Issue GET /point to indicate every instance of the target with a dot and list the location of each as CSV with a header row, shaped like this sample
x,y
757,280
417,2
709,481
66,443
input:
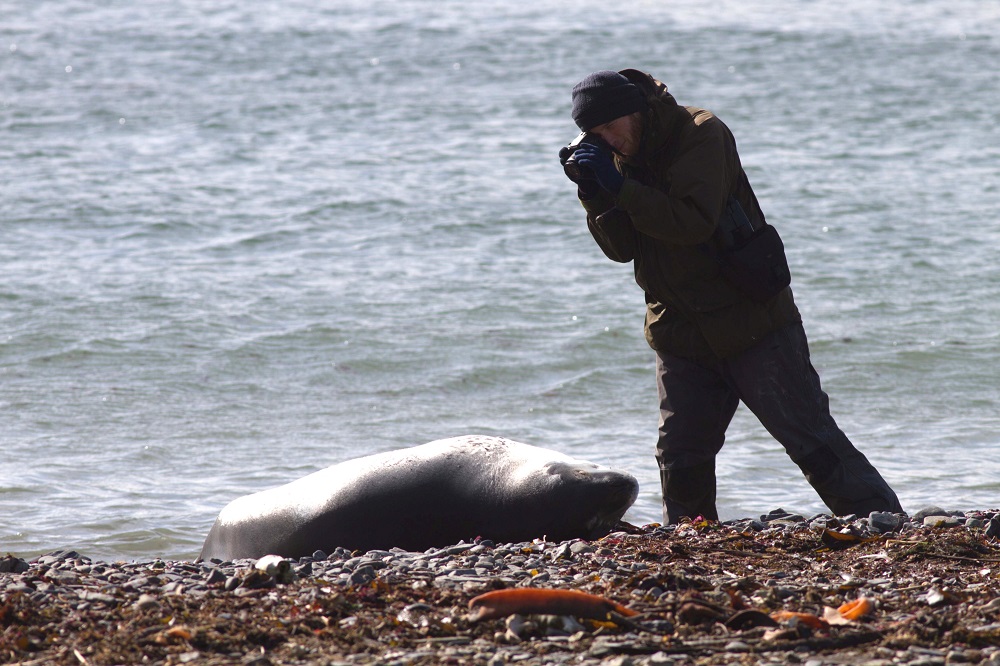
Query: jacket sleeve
x,y
688,213
613,231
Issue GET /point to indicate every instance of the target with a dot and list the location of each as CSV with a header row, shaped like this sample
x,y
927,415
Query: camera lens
x,y
573,170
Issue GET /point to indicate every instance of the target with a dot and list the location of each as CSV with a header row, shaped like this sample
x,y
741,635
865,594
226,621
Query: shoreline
x,y
703,593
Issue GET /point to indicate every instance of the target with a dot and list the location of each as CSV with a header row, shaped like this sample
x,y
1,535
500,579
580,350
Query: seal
x,y
435,494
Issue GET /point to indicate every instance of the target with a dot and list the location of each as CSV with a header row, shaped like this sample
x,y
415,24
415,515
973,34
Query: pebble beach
x,y
925,590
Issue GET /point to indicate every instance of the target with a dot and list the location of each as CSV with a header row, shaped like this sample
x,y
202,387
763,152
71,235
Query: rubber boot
x,y
848,487
689,492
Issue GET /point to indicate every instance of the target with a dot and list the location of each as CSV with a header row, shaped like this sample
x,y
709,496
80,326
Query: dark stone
x,y
11,564
215,577
881,522
362,575
919,516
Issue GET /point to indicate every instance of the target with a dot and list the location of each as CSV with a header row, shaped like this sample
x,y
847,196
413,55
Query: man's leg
x,y
777,382
696,407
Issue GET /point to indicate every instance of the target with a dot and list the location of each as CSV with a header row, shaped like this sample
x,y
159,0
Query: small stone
x,y
19,587
737,646
277,567
257,659
883,521
774,514
919,516
618,661
257,579
661,659
959,656
136,583
146,602
232,583
88,595
974,523
993,528
215,577
362,576
942,521
11,564
516,626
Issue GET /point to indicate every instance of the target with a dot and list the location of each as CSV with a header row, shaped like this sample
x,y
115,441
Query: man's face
x,y
622,134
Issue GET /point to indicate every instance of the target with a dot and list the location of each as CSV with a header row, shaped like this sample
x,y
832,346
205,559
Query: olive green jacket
x,y
674,194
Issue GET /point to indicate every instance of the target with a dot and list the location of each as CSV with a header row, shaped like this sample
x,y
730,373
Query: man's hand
x,y
587,187
601,165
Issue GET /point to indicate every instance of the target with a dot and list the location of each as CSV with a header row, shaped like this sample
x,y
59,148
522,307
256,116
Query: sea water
x,y
243,241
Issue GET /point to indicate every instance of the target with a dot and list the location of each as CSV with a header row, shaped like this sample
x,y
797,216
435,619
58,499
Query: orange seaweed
x,y
852,610
528,601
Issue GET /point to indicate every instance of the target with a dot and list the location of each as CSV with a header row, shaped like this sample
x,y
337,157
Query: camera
x,y
575,171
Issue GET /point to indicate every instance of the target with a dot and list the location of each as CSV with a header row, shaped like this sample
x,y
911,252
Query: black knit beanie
x,y
604,96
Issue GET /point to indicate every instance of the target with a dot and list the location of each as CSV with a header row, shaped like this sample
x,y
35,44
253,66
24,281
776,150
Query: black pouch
x,y
753,260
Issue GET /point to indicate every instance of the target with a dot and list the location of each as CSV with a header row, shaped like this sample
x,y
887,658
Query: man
x,y
657,201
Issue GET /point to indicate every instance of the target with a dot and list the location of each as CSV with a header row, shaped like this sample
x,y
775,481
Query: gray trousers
x,y
777,382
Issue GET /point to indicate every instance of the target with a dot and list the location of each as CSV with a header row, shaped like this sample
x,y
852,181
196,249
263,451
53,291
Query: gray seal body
x,y
435,494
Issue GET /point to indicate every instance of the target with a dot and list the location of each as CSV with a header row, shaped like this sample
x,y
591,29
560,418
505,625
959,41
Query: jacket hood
x,y
662,118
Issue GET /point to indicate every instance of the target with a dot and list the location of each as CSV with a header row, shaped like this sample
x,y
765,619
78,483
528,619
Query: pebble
x,y
146,602
942,521
882,522
11,564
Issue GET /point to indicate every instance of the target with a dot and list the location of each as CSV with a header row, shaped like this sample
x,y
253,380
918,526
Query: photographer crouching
x,y
663,187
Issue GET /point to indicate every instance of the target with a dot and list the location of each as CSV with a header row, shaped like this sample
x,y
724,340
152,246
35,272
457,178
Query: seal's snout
x,y
620,491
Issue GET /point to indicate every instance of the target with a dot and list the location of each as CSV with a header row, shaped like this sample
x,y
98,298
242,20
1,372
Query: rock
x,y
919,516
362,575
618,661
87,595
993,528
215,577
11,564
146,602
942,521
277,567
774,514
257,579
881,522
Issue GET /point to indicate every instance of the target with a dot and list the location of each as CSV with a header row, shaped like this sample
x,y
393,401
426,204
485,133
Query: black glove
x,y
602,166
587,186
